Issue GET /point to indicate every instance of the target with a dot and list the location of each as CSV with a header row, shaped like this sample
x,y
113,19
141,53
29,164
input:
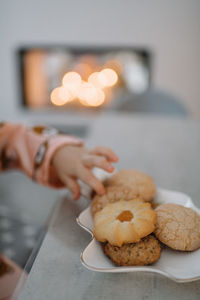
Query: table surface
x,y
168,150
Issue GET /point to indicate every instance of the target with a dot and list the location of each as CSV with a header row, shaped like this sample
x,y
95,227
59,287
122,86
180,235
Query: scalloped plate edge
x,y
148,269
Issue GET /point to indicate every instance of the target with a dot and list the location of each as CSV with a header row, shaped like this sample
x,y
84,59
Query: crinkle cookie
x,y
145,252
178,227
141,184
124,222
125,185
113,194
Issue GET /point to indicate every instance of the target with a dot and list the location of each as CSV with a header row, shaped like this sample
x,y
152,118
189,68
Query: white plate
x,y
177,265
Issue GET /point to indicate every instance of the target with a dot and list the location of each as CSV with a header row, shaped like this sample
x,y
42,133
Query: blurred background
x,y
64,63
153,46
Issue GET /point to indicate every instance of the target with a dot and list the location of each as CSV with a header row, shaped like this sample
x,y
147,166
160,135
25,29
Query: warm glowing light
x,y
94,79
107,77
61,96
89,95
72,81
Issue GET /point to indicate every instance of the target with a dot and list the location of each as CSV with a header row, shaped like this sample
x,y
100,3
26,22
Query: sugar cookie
x,y
178,227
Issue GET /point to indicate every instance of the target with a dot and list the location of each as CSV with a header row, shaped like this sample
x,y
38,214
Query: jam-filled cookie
x,y
124,222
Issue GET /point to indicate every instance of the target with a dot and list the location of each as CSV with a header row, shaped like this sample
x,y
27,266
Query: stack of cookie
x,y
124,219
129,227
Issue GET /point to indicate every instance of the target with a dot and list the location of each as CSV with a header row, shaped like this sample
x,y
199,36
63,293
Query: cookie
x,y
145,252
124,222
142,185
125,185
112,194
178,227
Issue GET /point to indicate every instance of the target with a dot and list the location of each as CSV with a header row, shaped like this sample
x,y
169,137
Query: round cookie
x,y
112,194
178,227
142,185
145,252
124,222
125,185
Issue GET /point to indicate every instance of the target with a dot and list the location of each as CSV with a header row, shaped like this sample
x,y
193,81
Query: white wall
x,y
171,29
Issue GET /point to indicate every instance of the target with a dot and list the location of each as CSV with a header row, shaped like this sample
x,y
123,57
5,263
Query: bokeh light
x,y
72,81
89,95
61,96
107,77
94,79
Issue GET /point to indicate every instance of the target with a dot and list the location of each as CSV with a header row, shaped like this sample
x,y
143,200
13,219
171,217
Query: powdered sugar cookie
x,y
178,227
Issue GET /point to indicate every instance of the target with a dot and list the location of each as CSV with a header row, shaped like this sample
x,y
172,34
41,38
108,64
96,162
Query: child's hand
x,y
74,162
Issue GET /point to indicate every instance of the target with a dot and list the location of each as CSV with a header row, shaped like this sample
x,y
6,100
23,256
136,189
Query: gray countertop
x,y
168,150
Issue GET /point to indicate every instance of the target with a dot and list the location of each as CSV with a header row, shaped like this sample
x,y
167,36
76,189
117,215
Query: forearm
x,y
31,150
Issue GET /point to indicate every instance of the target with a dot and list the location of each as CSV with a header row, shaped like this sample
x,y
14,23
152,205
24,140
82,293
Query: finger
x,y
72,185
91,161
87,177
107,152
